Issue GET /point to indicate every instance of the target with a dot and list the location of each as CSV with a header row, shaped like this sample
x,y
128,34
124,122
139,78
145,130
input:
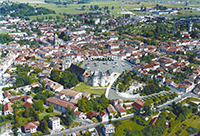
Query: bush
x,y
191,130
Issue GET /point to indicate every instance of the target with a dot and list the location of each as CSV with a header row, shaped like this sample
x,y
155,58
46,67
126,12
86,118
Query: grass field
x,y
127,124
192,120
41,115
23,120
89,89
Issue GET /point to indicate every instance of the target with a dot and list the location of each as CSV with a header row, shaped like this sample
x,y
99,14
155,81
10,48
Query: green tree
x,y
38,105
50,108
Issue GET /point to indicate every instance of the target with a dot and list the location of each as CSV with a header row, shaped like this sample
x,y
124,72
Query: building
x,y
31,127
60,105
153,121
120,109
53,86
99,78
186,86
138,104
81,115
54,122
77,70
104,116
190,27
7,109
108,129
111,110
71,94
91,114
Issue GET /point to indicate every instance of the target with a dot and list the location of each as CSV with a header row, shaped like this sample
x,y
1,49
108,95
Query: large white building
x,y
54,123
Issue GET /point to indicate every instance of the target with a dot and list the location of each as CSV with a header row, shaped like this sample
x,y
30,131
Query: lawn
x,y
89,89
41,115
194,121
23,120
127,124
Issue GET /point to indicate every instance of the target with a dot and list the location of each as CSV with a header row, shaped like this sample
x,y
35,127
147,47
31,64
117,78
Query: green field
x,y
126,124
89,89
23,120
192,120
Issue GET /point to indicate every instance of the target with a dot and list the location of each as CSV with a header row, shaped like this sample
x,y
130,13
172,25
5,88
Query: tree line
x,y
22,9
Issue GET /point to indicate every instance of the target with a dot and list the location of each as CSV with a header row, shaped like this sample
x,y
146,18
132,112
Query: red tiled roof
x,y
27,104
92,114
61,103
6,94
153,121
7,107
30,125
19,98
102,113
136,105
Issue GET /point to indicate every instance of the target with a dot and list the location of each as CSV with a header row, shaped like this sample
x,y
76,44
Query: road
x,y
78,129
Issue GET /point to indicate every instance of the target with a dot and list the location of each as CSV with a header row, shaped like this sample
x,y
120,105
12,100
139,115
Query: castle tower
x,y
55,39
190,26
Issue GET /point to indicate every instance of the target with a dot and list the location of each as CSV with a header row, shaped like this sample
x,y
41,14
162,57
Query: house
x,y
104,116
27,104
153,121
160,78
59,95
54,122
91,114
7,108
60,105
138,104
80,114
71,94
197,89
18,98
111,110
186,86
117,101
120,109
53,86
108,129
6,94
87,95
31,127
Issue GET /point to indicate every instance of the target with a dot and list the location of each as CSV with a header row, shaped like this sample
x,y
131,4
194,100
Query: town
x,y
99,74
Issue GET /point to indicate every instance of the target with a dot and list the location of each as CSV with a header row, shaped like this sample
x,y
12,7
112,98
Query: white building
x,y
108,129
54,123
31,127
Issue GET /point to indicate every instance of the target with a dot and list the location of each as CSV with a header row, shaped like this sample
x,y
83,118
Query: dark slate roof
x,y
76,69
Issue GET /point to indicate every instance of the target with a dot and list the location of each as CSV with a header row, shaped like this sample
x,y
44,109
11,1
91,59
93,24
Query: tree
x,y
117,123
55,75
50,108
147,109
43,127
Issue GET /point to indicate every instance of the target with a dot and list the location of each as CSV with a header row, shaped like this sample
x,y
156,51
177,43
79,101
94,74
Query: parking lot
x,y
117,65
